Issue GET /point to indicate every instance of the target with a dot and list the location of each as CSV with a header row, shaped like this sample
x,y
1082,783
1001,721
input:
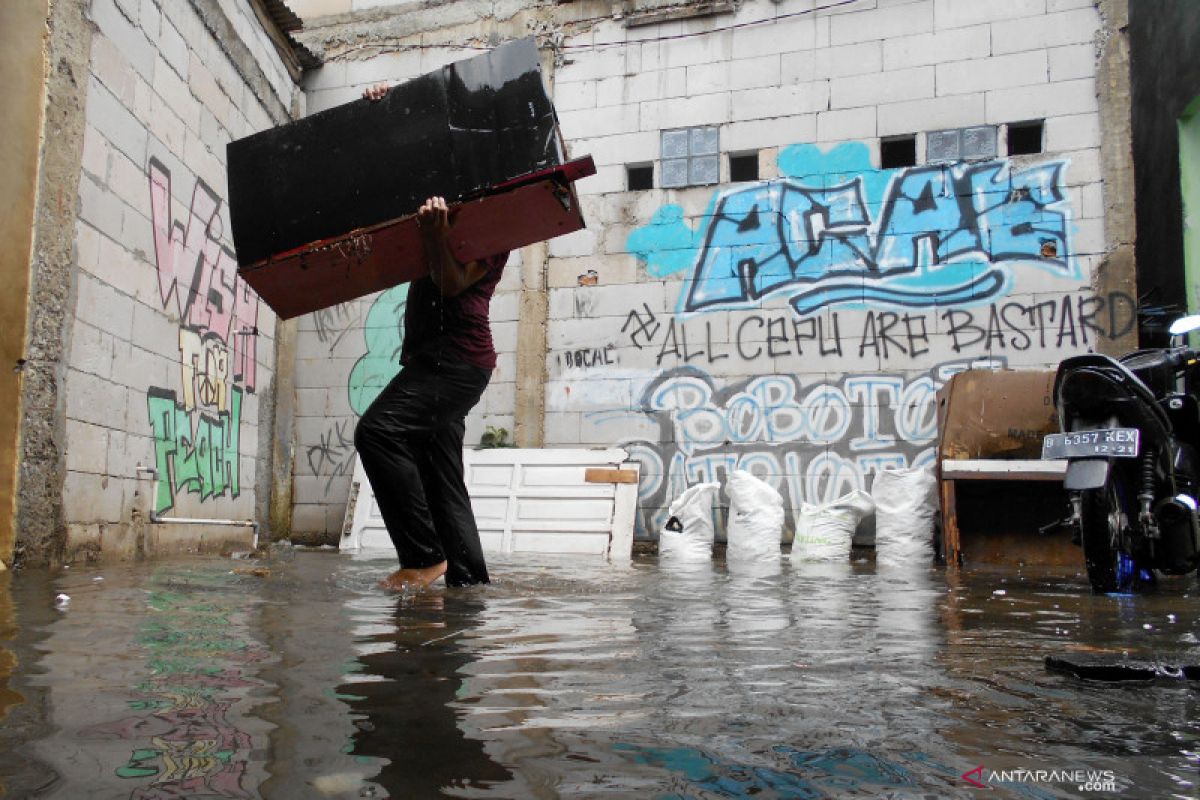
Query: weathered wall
x,y
798,325
167,358
1164,40
23,36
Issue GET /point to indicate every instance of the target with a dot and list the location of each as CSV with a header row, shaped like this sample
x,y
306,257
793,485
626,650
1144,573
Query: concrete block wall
x,y
799,325
170,359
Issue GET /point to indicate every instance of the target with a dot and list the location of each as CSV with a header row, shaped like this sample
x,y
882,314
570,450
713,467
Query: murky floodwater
x,y
183,679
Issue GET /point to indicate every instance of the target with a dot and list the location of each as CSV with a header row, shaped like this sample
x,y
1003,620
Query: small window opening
x,y
743,167
639,177
898,151
1025,138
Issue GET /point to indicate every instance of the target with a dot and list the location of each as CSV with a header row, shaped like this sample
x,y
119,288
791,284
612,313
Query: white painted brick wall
x,y
847,125
708,109
780,101
769,132
778,37
1018,69
1072,132
1035,102
941,47
887,21
1071,61
956,13
1068,27
872,90
651,85
933,114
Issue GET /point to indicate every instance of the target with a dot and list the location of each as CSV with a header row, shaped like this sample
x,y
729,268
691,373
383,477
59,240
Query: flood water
x,y
584,680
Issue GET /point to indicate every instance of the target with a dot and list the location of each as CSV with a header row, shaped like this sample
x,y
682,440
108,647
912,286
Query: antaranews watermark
x,y
1084,780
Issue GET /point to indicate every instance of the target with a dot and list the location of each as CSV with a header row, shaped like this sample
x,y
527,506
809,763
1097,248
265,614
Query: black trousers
x,y
410,440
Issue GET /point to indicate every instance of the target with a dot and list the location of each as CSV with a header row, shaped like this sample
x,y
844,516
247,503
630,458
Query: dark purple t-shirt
x,y
456,327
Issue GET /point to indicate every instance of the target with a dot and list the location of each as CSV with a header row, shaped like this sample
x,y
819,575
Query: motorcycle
x,y
1130,433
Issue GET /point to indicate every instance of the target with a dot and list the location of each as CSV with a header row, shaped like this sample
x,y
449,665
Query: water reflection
x,y
584,679
403,697
8,659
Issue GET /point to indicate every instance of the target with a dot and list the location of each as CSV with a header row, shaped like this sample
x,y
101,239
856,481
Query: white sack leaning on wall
x,y
688,535
825,532
755,519
905,507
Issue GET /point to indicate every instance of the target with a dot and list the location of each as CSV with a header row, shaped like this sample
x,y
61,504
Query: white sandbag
x,y
688,535
755,519
905,506
824,532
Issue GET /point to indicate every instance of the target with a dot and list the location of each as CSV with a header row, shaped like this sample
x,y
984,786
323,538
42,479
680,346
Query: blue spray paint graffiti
x,y
837,232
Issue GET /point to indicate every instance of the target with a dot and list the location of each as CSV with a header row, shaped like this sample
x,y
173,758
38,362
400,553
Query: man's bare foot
x,y
412,580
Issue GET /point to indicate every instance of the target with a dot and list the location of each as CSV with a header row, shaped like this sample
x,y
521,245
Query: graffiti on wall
x,y
836,232
196,428
894,281
812,441
332,456
1070,320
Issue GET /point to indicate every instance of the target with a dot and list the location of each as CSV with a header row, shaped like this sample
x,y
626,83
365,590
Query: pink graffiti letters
x,y
196,431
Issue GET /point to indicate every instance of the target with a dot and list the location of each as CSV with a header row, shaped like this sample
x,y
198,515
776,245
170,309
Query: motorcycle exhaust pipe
x,y
1178,547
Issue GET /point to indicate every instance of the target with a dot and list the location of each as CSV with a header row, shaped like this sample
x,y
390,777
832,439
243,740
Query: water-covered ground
x,y
584,680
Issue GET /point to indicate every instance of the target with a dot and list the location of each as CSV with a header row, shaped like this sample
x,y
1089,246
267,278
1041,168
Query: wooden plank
x,y
951,546
601,475
1003,470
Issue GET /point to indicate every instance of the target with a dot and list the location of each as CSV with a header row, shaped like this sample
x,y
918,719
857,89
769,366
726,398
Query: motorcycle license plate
x,y
1109,442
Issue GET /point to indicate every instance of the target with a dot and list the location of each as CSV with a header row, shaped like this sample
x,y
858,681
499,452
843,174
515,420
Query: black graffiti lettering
x,y
963,323
595,357
646,328
333,455
671,340
1020,340
837,337
1089,309
773,336
887,321
687,354
995,331
1042,323
877,335
1066,323
827,345
708,340
868,335
1070,321
741,340
914,336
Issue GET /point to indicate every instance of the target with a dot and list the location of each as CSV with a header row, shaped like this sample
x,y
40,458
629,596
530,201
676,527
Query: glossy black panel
x,y
454,132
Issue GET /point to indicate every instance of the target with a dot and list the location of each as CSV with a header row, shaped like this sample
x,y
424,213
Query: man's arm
x,y
449,276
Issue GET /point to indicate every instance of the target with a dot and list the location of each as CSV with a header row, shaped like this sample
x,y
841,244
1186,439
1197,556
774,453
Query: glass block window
x,y
691,157
961,144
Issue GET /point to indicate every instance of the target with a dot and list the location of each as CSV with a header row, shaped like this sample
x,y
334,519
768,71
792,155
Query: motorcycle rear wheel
x,y
1103,525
